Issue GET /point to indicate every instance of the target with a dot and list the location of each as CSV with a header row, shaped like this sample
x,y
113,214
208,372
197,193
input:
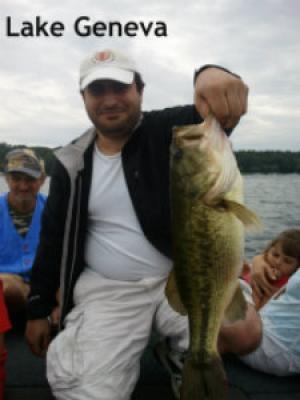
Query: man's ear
x,y
141,93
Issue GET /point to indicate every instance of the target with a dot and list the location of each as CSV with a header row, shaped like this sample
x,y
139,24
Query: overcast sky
x,y
258,39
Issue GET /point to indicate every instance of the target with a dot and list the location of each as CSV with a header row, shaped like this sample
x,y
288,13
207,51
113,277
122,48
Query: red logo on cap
x,y
104,56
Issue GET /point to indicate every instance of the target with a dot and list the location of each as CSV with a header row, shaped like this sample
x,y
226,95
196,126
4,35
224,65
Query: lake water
x,y
275,198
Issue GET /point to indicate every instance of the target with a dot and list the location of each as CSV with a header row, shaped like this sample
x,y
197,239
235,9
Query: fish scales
x,y
197,248
208,243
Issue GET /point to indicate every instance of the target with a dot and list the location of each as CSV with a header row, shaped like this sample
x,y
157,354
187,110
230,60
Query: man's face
x,y
113,107
22,190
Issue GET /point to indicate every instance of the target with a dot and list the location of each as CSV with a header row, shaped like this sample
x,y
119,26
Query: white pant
x,y
97,355
272,357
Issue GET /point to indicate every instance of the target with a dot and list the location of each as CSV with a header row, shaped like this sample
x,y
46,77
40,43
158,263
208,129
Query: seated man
x,y
20,214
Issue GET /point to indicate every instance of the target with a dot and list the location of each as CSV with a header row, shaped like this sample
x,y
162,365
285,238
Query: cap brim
x,y
27,171
114,74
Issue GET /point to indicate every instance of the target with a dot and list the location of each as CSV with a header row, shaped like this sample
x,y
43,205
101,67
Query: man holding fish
x,y
106,238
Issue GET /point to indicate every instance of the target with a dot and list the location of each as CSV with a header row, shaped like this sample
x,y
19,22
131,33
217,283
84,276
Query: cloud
x,y
257,39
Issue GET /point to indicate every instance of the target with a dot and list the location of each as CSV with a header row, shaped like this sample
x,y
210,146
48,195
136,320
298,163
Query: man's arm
x,y
222,93
15,291
38,336
262,276
45,274
243,336
46,267
39,332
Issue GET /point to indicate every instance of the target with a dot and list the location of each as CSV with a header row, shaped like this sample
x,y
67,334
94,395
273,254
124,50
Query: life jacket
x,y
16,252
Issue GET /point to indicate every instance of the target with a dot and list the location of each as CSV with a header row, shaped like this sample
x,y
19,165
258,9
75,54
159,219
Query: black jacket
x,y
145,157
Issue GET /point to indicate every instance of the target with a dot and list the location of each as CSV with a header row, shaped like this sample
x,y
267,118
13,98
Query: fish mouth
x,y
187,137
190,140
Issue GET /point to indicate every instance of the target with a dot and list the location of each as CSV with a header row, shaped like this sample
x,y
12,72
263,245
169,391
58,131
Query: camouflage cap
x,y
25,161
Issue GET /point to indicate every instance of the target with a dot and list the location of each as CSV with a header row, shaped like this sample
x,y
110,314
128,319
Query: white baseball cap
x,y
106,64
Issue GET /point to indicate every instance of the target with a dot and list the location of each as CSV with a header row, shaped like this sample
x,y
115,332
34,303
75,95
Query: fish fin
x,y
203,381
250,220
237,308
173,296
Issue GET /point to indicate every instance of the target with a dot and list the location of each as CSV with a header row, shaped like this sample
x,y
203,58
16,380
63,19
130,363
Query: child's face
x,y
281,263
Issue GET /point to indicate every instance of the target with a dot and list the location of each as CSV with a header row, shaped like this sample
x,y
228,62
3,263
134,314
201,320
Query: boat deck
x,y
26,378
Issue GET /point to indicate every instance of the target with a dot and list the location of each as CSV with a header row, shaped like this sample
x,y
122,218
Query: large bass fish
x,y
208,219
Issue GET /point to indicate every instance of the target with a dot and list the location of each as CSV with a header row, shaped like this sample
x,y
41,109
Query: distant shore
x,y
249,161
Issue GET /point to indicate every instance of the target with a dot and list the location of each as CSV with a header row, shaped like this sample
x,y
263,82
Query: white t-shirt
x,y
116,247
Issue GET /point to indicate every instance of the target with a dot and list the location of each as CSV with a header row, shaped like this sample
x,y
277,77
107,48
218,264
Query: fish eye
x,y
178,154
194,193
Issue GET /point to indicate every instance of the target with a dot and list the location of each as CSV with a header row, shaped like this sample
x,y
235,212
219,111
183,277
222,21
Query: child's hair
x,y
290,243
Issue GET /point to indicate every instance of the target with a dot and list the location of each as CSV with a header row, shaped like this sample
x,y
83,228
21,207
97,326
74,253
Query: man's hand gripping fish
x,y
208,220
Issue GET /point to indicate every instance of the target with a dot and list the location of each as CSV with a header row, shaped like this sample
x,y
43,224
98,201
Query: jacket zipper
x,y
75,240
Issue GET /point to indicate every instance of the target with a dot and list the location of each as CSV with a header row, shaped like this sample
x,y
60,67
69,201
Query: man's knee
x,y
243,336
15,291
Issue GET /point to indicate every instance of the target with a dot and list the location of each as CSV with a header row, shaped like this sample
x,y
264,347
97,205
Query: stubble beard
x,y
118,130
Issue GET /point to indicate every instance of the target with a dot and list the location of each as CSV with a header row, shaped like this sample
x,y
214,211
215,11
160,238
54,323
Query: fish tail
x,y
203,380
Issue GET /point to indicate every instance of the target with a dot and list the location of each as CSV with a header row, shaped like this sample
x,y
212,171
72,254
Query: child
x,y
279,350
282,259
4,326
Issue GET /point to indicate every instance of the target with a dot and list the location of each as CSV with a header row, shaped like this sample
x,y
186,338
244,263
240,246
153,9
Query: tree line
x,y
249,161
268,162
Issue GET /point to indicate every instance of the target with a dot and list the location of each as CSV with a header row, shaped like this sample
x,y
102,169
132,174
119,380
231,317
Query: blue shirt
x,y
16,252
